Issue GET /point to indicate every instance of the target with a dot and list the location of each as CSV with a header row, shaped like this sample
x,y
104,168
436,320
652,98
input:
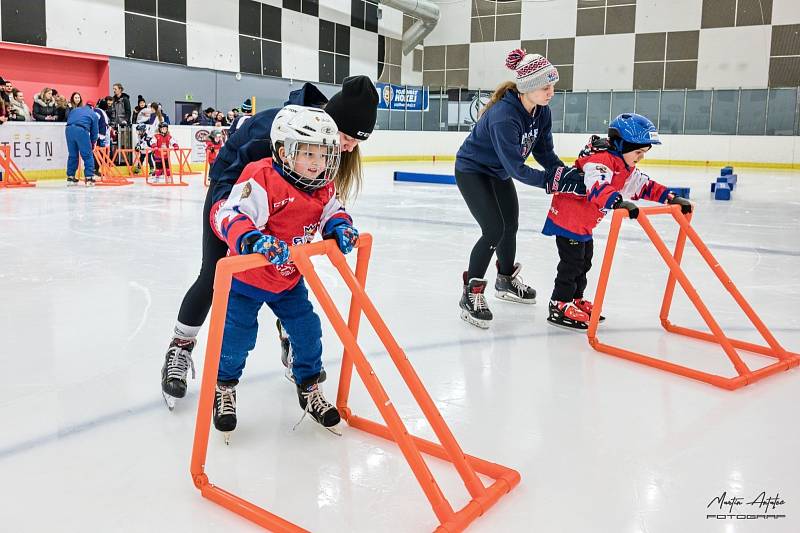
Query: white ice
x,y
91,281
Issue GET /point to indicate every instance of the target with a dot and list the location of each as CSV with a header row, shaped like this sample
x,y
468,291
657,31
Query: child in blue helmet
x,y
611,178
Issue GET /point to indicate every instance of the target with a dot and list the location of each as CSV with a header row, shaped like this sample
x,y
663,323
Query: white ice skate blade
x,y
226,436
169,400
508,297
466,317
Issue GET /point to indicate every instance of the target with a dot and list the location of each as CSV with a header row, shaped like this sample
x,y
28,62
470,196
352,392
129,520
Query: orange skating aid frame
x,y
412,447
785,359
12,174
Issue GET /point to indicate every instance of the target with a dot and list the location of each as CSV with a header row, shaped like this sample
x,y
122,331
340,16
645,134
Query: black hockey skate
x,y
512,289
314,403
71,181
225,408
90,181
287,354
176,365
473,303
568,315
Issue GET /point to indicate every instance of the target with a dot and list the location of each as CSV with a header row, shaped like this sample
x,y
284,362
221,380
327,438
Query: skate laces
x,y
314,401
226,400
517,283
180,360
477,299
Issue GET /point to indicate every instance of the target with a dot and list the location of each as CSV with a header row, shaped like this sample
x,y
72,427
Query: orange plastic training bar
x,y
13,177
164,165
785,359
106,172
412,447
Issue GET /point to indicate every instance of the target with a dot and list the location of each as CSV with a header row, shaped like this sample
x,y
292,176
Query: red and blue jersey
x,y
262,200
607,178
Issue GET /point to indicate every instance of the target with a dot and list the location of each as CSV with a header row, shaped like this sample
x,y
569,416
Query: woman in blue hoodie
x,y
514,124
354,109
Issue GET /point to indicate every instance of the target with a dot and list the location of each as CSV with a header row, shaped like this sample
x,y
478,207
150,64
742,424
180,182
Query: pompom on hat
x,y
533,70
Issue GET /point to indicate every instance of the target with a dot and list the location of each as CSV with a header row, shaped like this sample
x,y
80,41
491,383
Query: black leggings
x,y
494,204
575,262
197,301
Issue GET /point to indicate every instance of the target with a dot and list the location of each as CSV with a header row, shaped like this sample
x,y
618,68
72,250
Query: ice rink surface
x,y
91,281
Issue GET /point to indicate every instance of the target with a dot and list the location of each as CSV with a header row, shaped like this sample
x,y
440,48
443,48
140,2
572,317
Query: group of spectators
x,y
113,111
216,118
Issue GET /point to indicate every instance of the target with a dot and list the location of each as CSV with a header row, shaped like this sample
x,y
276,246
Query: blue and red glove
x,y
343,232
275,250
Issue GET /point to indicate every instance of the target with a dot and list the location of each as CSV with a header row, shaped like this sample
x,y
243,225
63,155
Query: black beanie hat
x,y
355,107
630,147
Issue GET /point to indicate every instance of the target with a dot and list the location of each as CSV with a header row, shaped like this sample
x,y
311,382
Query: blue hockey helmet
x,y
634,129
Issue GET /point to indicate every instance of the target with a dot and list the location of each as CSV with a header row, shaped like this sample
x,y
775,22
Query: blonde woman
x,y
514,124
354,109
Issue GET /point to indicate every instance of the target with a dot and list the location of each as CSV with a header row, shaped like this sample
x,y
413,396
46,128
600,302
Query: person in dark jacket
x,y
44,106
514,124
207,119
354,109
81,133
120,107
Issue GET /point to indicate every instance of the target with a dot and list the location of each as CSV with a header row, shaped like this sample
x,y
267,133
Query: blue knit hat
x,y
247,106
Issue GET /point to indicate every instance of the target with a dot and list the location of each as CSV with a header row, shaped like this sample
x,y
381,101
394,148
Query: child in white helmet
x,y
277,202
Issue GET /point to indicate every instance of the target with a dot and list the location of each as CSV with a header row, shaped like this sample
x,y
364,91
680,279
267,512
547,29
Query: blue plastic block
x,y
726,171
723,192
683,192
732,180
425,178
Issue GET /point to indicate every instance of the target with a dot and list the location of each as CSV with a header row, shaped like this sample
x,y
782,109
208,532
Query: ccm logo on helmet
x,y
362,134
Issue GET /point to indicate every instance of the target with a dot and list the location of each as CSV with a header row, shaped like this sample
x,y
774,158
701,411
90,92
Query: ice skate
x,y
473,303
567,315
177,362
90,181
586,306
287,356
225,408
71,181
314,403
512,289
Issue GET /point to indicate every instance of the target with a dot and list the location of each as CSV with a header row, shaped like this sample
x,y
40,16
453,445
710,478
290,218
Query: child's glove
x,y
565,180
686,205
345,234
633,211
175,146
275,250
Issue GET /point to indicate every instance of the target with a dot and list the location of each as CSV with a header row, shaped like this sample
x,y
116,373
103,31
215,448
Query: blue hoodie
x,y
503,138
85,118
251,141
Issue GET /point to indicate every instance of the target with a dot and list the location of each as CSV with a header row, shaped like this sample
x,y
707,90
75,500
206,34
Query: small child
x,y
611,176
142,149
213,146
161,143
280,201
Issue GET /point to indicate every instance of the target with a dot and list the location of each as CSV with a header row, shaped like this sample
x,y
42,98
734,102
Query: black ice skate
x,y
176,365
314,403
287,355
225,408
512,289
71,181
90,181
568,315
473,303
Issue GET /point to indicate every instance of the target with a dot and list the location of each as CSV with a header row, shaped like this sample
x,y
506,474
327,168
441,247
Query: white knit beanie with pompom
x,y
533,71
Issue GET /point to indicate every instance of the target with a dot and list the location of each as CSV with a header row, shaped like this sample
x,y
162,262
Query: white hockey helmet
x,y
295,125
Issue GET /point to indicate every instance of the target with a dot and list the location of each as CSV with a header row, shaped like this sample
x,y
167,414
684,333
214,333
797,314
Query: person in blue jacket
x,y
81,132
354,109
514,124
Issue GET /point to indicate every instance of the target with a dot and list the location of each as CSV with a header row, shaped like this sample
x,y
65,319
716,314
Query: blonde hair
x,y
349,177
44,92
498,95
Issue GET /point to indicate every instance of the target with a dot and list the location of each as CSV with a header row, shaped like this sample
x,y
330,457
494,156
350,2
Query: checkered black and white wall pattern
x,y
596,44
